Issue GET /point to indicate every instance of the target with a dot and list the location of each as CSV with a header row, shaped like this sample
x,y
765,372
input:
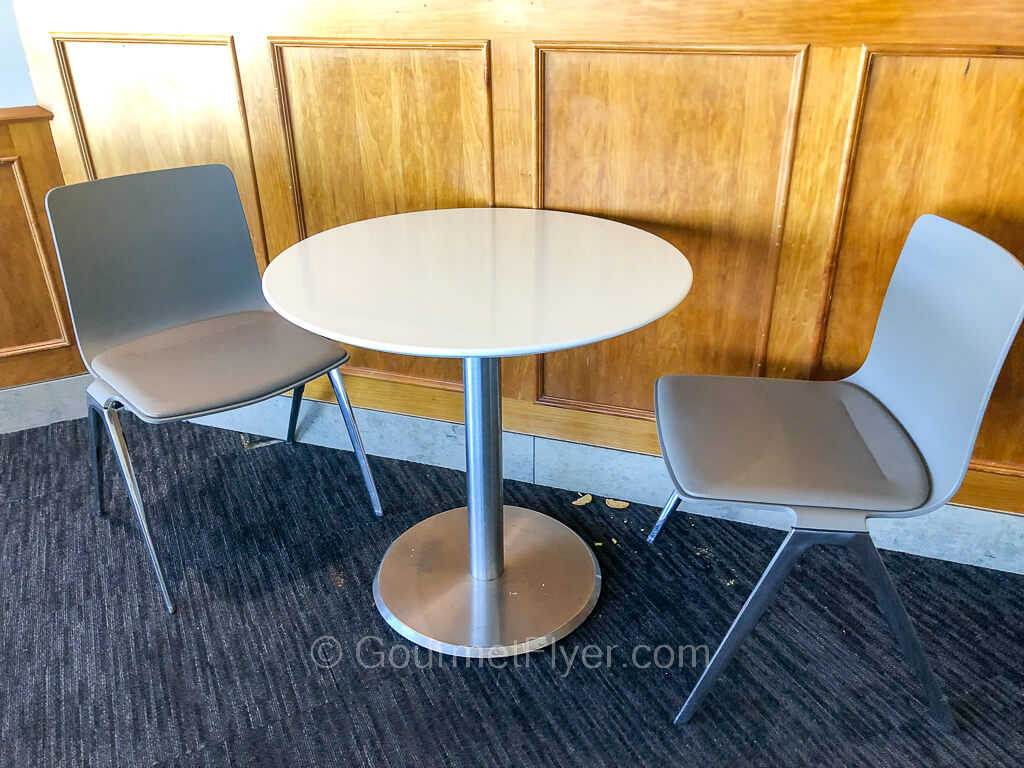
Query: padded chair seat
x,y
212,364
792,443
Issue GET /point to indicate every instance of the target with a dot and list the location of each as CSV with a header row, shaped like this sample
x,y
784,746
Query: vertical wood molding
x,y
64,339
829,89
839,209
72,100
782,200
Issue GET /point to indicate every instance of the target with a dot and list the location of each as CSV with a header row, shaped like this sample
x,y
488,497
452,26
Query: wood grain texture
x,y
177,98
937,132
831,90
991,490
870,147
637,435
382,127
823,22
36,340
694,145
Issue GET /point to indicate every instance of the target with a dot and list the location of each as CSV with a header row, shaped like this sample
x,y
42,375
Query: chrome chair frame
x,y
106,417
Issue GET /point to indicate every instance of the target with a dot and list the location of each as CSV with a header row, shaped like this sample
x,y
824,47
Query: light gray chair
x,y
169,313
892,440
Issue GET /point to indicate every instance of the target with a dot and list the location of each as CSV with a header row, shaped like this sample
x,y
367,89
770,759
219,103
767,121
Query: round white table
x,y
485,580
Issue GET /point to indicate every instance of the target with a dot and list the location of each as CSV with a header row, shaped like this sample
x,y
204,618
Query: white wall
x,y
15,85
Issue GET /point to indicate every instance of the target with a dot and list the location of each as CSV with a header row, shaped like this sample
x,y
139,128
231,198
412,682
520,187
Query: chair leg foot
x,y
668,509
293,417
878,578
767,587
113,424
95,413
357,441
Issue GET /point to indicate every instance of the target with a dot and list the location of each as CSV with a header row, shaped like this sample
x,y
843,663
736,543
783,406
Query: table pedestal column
x,y
486,580
481,381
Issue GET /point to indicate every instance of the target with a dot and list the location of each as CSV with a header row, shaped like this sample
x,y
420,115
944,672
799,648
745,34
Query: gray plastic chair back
x,y
950,314
149,251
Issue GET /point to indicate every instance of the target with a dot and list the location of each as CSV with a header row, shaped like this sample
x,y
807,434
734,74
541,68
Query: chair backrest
x,y
950,314
149,251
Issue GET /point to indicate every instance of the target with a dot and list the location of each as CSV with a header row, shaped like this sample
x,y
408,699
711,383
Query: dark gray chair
x,y
169,313
892,440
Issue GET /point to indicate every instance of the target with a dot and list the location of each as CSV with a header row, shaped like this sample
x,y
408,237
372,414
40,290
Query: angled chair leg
x,y
113,423
357,442
796,542
293,417
95,411
668,509
877,576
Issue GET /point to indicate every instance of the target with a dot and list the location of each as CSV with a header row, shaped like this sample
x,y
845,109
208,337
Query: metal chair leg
x,y
877,576
293,417
767,587
113,423
357,442
668,509
95,411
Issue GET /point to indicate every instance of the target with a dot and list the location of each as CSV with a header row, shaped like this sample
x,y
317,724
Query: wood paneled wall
x,y
138,103
785,147
36,340
371,130
696,145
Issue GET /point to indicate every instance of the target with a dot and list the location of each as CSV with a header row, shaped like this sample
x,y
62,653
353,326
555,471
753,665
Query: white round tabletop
x,y
477,282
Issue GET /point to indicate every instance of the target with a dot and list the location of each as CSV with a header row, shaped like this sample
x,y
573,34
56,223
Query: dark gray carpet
x,y
269,549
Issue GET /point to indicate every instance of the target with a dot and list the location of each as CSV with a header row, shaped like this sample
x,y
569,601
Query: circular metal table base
x,y
425,591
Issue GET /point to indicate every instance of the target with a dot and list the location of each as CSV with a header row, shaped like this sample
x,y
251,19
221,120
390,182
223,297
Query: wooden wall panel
x,y
36,339
381,127
694,145
30,314
937,132
143,103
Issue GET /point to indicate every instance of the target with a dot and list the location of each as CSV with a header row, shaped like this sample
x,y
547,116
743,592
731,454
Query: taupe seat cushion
x,y
214,364
801,443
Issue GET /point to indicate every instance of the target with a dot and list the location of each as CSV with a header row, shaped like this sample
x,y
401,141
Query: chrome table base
x,y
486,580
425,591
